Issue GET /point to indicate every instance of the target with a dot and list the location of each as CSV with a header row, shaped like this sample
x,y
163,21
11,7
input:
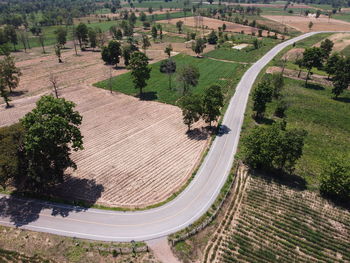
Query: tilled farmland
x,y
275,223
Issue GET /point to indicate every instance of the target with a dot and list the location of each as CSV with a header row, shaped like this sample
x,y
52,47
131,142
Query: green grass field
x,y
211,72
343,16
247,54
326,120
346,51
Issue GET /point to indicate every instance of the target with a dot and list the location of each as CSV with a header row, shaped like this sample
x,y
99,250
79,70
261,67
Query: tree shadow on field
x,y
198,134
22,210
16,93
264,120
291,180
314,86
345,100
148,96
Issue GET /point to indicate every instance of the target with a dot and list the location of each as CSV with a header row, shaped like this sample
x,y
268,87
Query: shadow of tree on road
x,y
23,210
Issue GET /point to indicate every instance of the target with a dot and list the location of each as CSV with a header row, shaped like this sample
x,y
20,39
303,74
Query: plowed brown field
x,y
213,23
137,153
301,23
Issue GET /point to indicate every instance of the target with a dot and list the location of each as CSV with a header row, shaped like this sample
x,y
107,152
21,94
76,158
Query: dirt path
x,y
161,250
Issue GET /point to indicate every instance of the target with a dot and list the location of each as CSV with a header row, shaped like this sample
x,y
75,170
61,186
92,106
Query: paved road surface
x,y
145,225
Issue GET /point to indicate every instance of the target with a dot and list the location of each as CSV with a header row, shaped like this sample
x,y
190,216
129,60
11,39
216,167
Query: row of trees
x,y
337,66
207,106
9,77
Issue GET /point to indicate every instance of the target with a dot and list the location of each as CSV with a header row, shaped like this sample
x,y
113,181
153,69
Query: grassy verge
x,y
18,245
211,72
248,54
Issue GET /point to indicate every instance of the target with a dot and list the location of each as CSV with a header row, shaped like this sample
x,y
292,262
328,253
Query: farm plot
x,y
212,23
276,223
301,23
36,68
340,40
136,153
212,72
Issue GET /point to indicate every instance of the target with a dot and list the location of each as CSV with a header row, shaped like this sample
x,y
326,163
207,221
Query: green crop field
x,y
326,120
211,72
248,54
346,51
343,16
279,224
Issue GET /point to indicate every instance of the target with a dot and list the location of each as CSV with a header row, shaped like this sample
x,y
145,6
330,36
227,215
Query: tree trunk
x,y
307,77
75,48
43,49
169,81
299,73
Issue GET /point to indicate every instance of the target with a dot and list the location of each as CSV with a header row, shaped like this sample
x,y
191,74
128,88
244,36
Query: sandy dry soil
x,y
137,153
301,23
293,74
213,23
340,40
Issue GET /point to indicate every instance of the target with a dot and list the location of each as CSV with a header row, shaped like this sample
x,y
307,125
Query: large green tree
x,y
191,106
111,54
213,100
198,46
326,47
312,58
11,153
188,76
332,63
140,71
168,67
61,36
341,76
9,73
262,94
273,147
335,180
51,132
82,34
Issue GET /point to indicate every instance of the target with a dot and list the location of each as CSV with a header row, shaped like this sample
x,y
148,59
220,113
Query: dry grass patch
x,y
301,23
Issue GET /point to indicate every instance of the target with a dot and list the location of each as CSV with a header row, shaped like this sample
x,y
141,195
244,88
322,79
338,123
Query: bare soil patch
x,y
314,78
212,23
340,40
301,23
294,54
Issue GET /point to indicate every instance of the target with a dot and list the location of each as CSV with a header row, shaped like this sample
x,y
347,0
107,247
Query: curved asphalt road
x,y
145,225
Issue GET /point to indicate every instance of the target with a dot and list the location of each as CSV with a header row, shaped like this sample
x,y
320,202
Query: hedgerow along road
x,y
185,209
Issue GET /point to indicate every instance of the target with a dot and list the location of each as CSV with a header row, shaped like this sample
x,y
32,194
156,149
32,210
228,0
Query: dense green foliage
x,y
273,147
11,153
51,131
140,72
335,181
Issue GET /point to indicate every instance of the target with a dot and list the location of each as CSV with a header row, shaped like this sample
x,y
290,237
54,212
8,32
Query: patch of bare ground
x,y
293,54
64,249
294,74
213,23
340,40
301,23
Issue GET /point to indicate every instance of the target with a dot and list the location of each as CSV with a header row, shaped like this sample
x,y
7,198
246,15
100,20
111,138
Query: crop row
x,y
277,224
